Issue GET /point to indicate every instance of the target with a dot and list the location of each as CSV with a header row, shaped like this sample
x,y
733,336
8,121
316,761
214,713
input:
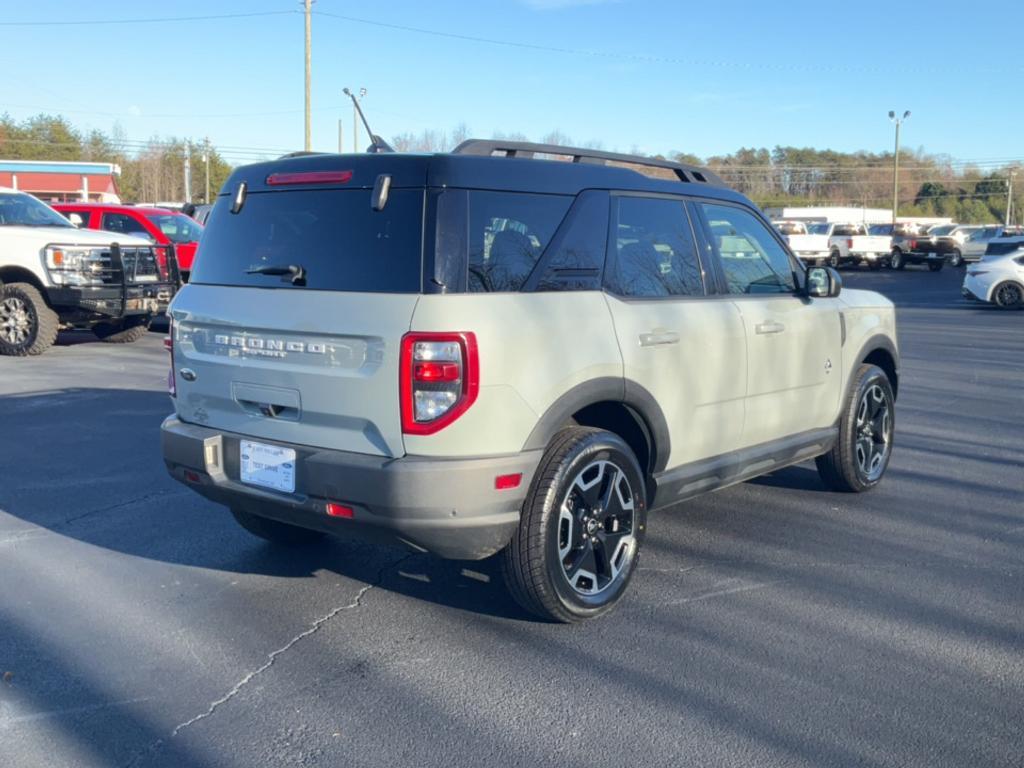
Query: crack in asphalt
x,y
356,602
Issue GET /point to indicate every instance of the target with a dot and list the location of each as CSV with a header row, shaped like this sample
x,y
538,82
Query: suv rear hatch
x,y
310,358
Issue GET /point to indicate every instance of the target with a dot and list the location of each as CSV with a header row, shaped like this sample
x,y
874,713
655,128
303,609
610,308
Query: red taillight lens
x,y
507,482
172,388
334,509
439,379
309,177
849,243
913,245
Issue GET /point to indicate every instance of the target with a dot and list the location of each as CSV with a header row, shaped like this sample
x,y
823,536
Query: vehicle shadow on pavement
x,y
112,491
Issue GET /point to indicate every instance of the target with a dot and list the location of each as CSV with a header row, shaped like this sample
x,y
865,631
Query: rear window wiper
x,y
296,271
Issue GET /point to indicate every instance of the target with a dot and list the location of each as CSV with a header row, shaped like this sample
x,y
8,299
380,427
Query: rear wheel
x,y
276,532
582,525
956,259
124,332
861,454
936,266
1008,296
896,259
833,259
27,325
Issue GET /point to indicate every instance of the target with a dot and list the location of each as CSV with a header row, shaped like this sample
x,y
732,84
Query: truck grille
x,y
140,266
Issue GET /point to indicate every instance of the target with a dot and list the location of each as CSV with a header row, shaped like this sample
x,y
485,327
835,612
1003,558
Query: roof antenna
x,y
377,143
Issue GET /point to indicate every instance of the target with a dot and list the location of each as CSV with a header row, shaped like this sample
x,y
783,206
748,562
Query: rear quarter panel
x,y
533,348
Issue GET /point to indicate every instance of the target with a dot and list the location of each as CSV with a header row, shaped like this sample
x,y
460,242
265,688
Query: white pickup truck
x,y
809,242
852,244
54,275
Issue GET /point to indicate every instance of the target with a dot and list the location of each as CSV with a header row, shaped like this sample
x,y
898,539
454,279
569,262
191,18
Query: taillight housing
x,y
439,379
849,242
172,387
913,245
161,261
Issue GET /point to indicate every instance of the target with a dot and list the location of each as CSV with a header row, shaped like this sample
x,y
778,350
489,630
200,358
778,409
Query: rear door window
x,y
124,224
340,242
655,254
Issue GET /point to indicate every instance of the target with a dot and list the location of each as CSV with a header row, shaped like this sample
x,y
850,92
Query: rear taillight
x,y
913,245
849,242
439,379
161,262
172,388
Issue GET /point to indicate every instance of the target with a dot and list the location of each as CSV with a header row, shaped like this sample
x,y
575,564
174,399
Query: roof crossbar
x,y
526,149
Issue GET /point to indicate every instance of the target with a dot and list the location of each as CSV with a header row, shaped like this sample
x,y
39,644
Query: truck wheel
x,y
27,325
861,454
121,333
275,531
956,259
936,266
833,259
581,529
896,259
1008,296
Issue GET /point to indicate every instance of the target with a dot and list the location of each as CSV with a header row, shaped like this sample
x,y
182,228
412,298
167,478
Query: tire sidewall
x,y
14,292
1020,296
873,375
601,446
896,259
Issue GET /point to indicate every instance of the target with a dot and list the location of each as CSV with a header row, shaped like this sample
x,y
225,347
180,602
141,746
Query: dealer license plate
x,y
269,466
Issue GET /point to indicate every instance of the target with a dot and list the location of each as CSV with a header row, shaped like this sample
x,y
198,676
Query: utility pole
x,y
341,137
308,7
896,165
188,173
206,162
1009,198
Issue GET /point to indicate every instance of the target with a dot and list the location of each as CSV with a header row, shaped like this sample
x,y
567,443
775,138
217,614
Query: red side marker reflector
x,y
507,482
334,509
191,476
309,177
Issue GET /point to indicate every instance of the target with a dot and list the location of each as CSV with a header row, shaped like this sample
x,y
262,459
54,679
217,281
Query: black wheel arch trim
x,y
608,389
874,344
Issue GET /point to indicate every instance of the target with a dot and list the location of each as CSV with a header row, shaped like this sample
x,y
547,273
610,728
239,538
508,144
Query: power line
x,y
154,20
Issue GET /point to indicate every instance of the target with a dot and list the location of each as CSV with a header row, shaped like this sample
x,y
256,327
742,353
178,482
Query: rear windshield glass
x,y
340,243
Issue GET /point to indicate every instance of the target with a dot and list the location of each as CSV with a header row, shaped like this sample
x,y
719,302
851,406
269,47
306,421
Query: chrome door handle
x,y
769,327
656,338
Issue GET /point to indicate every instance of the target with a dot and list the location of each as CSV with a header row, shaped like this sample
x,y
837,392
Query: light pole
x,y
896,165
355,117
206,163
308,9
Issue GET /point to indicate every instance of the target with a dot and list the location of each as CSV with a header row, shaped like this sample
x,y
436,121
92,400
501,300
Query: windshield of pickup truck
x,y
178,227
21,210
817,229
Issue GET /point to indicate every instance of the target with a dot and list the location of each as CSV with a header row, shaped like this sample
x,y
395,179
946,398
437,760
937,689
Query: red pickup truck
x,y
160,225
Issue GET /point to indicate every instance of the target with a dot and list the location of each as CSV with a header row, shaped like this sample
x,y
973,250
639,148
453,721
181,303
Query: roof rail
x,y
526,149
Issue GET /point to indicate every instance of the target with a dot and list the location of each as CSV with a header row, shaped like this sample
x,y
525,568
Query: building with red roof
x,y
60,182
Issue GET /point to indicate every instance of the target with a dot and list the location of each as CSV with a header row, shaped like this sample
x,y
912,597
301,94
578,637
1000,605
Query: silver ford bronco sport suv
x,y
486,351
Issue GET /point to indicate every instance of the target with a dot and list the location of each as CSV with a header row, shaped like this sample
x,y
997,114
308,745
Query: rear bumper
x,y
448,507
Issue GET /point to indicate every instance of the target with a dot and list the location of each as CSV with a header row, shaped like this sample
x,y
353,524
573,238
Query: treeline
x,y
150,171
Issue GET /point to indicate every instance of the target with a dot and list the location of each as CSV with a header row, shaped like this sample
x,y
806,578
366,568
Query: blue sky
x,y
653,75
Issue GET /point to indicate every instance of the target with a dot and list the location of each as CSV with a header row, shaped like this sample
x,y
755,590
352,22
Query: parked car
x,y
54,276
913,245
853,244
160,225
977,242
959,234
812,246
451,352
998,278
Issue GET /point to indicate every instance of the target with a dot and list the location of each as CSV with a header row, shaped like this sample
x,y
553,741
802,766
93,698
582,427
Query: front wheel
x,y
861,454
27,324
936,266
956,259
833,259
582,525
1008,296
896,259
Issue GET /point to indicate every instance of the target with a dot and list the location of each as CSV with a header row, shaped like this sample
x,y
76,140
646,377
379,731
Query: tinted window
x,y
818,229
654,248
78,218
334,235
848,230
177,227
123,224
753,260
578,249
507,234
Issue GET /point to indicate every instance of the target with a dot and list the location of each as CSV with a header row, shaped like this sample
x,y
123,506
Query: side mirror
x,y
823,282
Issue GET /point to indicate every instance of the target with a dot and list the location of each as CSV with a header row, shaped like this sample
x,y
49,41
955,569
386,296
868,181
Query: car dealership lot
x,y
770,624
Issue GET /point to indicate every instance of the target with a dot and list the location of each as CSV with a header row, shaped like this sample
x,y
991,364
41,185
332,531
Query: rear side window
x,y
498,236
334,235
654,249
123,224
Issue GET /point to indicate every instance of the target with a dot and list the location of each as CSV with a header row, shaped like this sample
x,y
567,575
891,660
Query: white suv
x,y
484,352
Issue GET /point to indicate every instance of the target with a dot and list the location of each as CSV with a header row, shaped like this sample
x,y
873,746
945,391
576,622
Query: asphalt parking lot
x,y
771,624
